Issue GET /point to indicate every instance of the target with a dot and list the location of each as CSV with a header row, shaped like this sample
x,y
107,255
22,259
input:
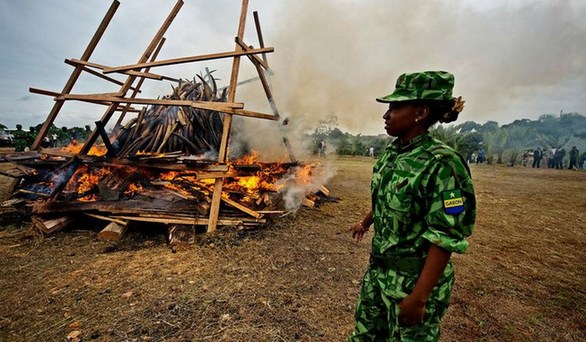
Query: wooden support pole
x,y
189,59
217,195
261,41
269,73
75,74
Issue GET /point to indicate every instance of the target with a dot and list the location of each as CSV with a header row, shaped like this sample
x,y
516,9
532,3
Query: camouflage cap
x,y
425,85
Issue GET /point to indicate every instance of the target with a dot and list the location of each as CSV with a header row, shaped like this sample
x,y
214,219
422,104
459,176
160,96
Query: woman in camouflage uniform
x,y
423,208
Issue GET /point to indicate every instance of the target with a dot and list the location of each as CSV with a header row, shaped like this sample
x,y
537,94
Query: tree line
x,y
500,143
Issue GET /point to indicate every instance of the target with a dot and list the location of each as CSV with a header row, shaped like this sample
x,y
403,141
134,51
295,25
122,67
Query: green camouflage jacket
x,y
421,193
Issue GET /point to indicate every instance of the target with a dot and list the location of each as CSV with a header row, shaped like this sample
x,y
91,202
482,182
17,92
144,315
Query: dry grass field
x,y
523,278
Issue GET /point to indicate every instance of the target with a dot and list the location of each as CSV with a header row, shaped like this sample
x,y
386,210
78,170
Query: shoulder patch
x,y
453,202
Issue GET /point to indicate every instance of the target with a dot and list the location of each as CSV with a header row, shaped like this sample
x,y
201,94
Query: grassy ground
x,y
523,278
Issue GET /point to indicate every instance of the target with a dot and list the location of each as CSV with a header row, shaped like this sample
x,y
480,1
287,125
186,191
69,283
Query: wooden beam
x,y
75,74
261,41
106,218
97,74
59,97
192,221
241,207
188,59
43,92
48,226
208,105
227,124
114,231
129,73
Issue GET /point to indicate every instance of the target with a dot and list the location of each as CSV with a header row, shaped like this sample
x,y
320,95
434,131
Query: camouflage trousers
x,y
377,309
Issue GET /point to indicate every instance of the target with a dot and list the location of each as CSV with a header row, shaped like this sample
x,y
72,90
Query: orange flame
x,y
97,150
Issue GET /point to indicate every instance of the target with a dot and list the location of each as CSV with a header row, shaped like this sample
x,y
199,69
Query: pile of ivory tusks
x,y
162,129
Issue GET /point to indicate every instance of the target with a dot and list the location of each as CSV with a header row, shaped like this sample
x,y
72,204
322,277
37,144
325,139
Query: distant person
x,y
53,140
582,162
537,155
20,139
407,286
574,153
471,157
513,159
559,158
322,149
371,152
480,158
551,163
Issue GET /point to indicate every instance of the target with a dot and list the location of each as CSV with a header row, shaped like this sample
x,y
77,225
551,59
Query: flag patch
x,y
453,202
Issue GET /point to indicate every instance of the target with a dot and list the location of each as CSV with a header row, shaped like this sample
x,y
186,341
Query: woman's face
x,y
400,119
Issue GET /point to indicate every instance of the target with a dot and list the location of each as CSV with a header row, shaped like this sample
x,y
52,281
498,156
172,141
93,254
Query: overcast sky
x,y
511,59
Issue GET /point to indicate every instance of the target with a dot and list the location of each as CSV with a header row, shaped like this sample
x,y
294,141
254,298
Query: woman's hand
x,y
411,311
358,230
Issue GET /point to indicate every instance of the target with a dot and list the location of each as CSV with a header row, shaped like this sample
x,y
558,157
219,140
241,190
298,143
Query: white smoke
x,y
298,186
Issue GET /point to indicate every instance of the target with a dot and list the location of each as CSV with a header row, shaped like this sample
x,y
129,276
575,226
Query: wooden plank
x,y
99,75
58,97
241,207
192,221
215,175
17,156
51,225
189,59
75,74
43,92
106,218
129,206
114,231
18,171
148,75
207,105
261,41
306,202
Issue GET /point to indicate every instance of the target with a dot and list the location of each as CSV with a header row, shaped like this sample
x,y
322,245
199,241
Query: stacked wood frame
x,y
136,74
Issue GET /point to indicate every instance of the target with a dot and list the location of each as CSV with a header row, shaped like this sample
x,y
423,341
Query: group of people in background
x,y
554,158
479,158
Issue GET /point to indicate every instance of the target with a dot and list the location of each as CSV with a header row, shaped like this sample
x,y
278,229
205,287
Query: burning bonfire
x,y
169,164
163,172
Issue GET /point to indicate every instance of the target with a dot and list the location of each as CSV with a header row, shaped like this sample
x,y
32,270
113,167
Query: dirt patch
x,y
523,278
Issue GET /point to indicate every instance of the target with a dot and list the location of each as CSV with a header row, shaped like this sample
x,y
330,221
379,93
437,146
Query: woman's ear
x,y
422,113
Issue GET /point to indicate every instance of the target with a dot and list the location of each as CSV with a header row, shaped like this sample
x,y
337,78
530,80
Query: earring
x,y
416,120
